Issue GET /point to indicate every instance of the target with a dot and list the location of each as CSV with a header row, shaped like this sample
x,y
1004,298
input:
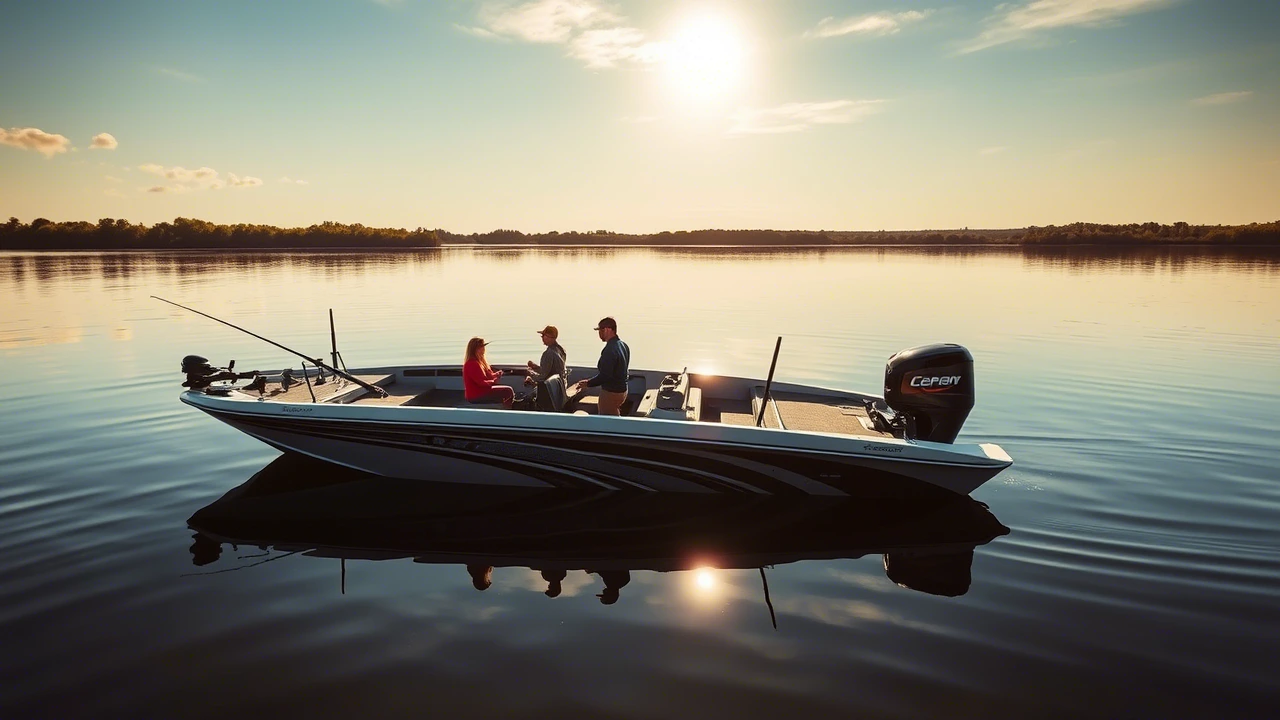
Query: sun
x,y
706,56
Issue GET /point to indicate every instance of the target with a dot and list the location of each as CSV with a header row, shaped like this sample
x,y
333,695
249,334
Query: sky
x,y
585,115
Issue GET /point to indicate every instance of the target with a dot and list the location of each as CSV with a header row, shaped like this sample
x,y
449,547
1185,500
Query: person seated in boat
x,y
614,581
481,381
552,361
612,369
553,578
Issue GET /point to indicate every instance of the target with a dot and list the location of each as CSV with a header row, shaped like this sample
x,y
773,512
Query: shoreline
x,y
392,249
185,234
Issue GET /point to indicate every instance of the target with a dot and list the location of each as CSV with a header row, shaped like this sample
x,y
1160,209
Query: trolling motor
x,y
200,374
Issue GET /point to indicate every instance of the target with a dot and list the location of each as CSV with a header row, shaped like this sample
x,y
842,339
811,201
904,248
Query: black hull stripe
x,y
553,473
553,476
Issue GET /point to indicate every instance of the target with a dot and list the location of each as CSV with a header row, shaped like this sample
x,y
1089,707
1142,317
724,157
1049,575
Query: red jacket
x,y
477,382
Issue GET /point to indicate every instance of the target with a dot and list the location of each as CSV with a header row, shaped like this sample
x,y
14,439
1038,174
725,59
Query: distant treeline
x,y
188,234
1075,234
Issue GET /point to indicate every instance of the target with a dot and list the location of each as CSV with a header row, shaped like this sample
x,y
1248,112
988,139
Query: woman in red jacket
x,y
481,380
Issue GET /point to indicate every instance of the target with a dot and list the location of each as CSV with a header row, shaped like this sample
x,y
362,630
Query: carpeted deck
x,y
299,394
805,412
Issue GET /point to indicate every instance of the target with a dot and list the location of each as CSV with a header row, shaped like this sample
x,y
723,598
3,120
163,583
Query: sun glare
x,y
705,579
706,56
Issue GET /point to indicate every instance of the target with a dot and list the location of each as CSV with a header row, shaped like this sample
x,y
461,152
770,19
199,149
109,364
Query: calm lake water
x,y
1137,393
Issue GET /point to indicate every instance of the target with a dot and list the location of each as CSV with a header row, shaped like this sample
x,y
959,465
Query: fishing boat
x,y
678,432
298,505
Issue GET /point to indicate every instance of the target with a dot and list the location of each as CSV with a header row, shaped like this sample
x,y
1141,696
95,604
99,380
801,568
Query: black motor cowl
x,y
200,374
194,364
934,385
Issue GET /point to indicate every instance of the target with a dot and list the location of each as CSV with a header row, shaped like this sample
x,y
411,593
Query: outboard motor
x,y
933,386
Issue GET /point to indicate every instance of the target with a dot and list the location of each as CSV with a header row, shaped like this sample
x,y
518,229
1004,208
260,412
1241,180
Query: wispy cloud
x,y
290,181
47,144
180,174
874,24
592,32
1018,22
479,32
112,178
797,117
1225,98
104,141
544,21
204,178
608,47
179,75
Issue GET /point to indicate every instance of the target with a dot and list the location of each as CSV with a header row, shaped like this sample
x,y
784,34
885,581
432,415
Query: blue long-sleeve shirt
x,y
613,367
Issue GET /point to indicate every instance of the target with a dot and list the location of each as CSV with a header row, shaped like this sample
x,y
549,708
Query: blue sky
x,y
642,116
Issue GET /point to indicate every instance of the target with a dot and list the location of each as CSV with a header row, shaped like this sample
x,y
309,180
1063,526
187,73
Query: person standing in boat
x,y
611,371
481,381
552,361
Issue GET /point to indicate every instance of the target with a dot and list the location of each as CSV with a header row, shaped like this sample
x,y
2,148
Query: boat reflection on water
x,y
299,505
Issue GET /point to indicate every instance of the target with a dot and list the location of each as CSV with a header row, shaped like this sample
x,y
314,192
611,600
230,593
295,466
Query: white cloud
x,y
544,21
1223,98
797,117
290,181
607,47
203,178
47,144
183,175
479,32
593,33
104,141
875,24
113,179
1017,22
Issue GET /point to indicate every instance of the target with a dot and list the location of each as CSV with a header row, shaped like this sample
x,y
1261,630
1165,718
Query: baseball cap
x,y
550,330
607,323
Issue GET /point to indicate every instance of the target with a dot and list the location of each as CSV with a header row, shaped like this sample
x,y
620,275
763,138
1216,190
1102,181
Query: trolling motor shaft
x,y
200,374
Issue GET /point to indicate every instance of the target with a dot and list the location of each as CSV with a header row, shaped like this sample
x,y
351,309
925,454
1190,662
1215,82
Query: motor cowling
x,y
200,374
934,385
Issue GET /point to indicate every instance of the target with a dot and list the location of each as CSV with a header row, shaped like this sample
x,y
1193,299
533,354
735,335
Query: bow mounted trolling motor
x,y
201,375
929,392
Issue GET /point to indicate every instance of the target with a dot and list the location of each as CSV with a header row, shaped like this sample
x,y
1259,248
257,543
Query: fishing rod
x,y
315,361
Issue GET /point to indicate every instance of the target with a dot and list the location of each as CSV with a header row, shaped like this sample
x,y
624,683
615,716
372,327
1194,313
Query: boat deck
x,y
795,411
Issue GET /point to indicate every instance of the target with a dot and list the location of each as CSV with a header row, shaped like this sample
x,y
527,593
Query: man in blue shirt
x,y
611,371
